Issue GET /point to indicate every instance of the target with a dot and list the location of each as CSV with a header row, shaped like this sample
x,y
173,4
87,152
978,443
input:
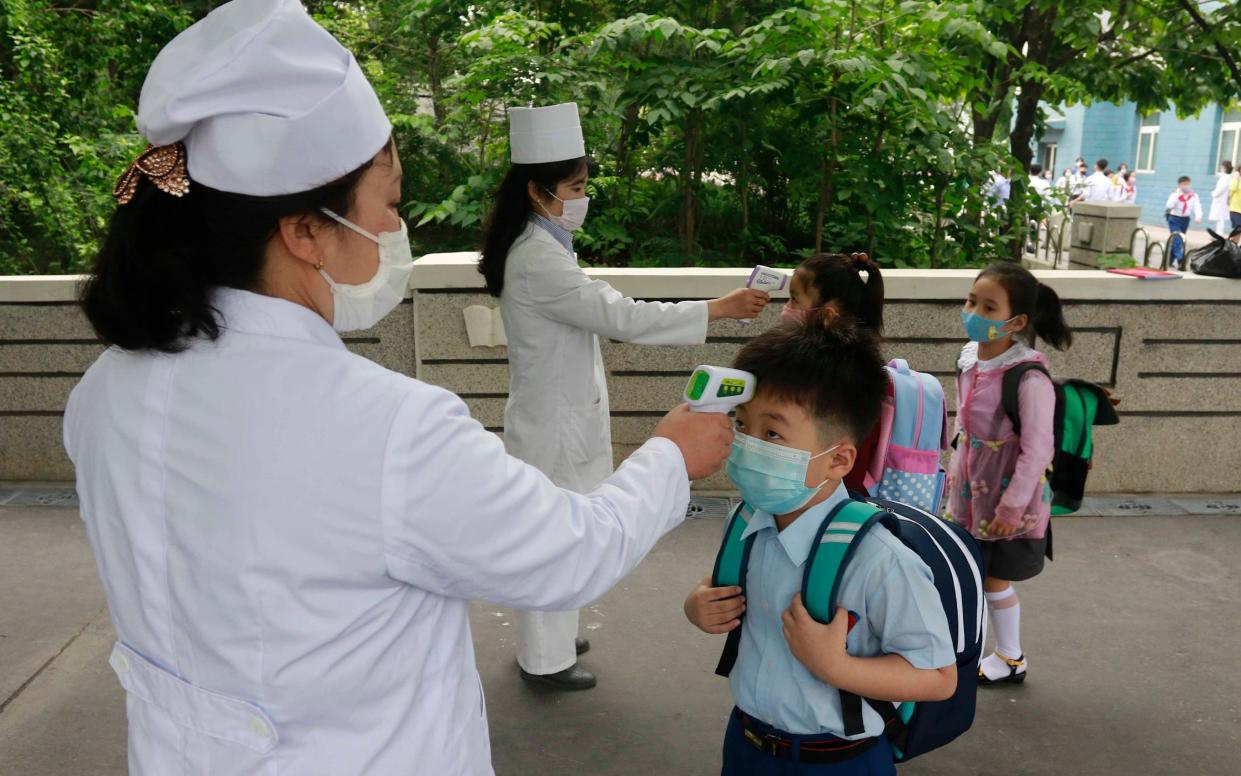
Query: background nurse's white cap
x,y
266,101
549,134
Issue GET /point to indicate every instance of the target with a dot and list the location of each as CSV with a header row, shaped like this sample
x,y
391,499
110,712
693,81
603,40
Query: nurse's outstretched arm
x,y
564,293
462,518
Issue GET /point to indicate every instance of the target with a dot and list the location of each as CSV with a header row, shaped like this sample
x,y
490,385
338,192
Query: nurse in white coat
x,y
1219,199
557,414
288,535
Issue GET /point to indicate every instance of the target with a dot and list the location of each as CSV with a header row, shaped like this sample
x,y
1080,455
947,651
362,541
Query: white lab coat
x,y
1219,199
288,536
557,416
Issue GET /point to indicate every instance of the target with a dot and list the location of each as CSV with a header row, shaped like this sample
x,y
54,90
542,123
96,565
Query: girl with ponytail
x,y
835,280
832,284
997,484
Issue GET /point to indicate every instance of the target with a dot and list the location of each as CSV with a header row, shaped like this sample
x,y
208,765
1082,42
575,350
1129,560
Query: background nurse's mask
x,y
574,213
362,306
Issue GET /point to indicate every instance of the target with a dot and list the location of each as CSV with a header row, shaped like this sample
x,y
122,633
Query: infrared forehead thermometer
x,y
719,389
766,279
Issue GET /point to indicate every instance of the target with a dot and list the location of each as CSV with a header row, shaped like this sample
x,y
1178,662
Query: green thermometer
x,y
719,389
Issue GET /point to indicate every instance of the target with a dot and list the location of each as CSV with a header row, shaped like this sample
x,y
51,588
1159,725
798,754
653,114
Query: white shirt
x,y
288,536
1184,205
557,413
1098,188
1041,185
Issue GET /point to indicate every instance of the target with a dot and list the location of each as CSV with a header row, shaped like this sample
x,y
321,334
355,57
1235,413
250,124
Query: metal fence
x,y
1046,245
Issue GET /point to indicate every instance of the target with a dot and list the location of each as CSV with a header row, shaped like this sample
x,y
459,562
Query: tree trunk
x,y
1038,31
435,77
622,153
689,180
870,213
827,181
938,236
743,180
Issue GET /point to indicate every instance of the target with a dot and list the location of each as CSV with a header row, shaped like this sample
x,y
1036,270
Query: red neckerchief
x,y
1184,199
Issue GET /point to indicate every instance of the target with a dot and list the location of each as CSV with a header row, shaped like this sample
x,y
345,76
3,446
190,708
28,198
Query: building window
x,y
1230,138
1049,157
1148,139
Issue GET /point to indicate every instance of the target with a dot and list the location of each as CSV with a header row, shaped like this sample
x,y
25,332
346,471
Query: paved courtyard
x,y
1132,634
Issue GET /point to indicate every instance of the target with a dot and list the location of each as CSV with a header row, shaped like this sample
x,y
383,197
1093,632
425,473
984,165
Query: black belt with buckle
x,y
826,750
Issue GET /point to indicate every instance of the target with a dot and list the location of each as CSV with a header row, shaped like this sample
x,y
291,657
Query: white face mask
x,y
574,213
362,306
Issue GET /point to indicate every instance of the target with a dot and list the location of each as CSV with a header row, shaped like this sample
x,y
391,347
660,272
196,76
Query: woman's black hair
x,y
152,282
791,359
1027,296
837,278
511,211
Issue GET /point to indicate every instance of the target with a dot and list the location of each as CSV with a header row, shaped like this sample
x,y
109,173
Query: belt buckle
x,y
767,744
774,742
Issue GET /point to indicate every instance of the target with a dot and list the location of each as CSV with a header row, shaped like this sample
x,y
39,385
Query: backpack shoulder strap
x,y
833,547
1010,388
837,540
730,566
730,561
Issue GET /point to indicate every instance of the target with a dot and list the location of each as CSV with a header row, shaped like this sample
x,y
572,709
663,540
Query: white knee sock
x,y
1006,620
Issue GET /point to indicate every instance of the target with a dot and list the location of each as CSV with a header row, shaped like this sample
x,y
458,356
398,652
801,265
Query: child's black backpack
x,y
1080,406
956,564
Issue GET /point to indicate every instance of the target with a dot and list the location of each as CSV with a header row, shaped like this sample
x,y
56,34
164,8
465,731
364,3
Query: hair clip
x,y
164,166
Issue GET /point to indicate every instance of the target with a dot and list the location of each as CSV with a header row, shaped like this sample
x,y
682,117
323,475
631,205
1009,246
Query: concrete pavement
x,y
1132,636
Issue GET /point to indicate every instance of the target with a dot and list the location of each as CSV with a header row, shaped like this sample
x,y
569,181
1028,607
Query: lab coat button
x,y
259,727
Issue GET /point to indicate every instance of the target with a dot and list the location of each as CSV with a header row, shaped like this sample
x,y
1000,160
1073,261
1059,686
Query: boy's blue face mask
x,y
772,477
980,329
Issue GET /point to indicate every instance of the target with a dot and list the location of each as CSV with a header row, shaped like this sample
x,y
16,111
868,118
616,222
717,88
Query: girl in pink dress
x,y
997,486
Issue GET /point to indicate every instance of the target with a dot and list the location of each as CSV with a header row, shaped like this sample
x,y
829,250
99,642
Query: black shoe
x,y
581,645
1017,670
572,678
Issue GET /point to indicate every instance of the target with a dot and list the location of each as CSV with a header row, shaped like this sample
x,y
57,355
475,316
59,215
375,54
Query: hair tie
x,y
164,166
862,261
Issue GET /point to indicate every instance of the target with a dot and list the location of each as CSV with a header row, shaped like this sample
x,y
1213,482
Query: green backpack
x,y
1080,406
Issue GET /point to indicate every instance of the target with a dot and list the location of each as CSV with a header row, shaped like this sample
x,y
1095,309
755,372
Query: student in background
x,y
1129,188
1219,199
1098,186
1181,204
1234,198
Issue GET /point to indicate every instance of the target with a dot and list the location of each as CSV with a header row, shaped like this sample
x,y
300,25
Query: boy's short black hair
x,y
1036,169
1101,164
829,365
1183,179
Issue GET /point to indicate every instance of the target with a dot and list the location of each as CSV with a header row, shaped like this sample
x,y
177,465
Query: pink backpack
x,y
912,432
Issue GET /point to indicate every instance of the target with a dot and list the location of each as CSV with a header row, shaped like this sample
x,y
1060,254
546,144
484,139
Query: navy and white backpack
x,y
956,564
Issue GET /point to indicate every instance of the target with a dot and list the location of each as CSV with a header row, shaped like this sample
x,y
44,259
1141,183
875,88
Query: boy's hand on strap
x,y
820,648
714,609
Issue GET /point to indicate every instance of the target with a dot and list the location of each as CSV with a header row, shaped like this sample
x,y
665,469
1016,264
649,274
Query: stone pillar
x,y
1099,228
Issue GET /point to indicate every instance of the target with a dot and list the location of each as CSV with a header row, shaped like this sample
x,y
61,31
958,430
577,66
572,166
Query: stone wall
x,y
1171,350
46,345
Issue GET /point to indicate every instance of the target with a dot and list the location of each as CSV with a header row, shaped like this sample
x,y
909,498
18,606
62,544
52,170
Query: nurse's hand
x,y
742,304
705,439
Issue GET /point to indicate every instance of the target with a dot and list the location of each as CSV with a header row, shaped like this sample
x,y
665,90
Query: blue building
x,y
1160,147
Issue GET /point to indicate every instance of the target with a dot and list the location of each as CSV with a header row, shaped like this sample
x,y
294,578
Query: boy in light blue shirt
x,y
820,388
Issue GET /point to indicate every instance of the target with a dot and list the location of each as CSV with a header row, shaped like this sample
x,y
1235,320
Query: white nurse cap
x,y
549,134
266,101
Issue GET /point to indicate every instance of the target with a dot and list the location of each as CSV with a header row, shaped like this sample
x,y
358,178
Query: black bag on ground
x,y
1221,258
